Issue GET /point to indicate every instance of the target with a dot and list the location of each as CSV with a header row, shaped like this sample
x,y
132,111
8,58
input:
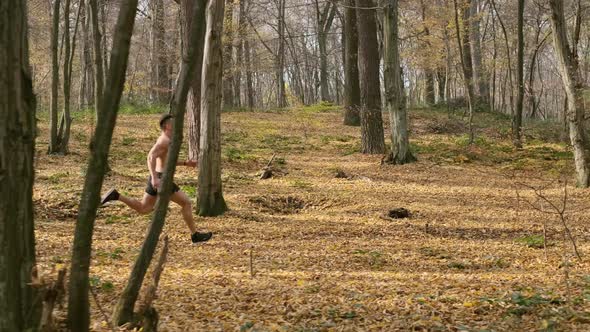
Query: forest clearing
x,y
294,165
325,257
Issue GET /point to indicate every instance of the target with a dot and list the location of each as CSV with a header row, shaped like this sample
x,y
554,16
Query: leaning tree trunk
x,y
372,141
19,310
123,312
352,92
53,139
193,112
78,305
395,101
210,195
568,67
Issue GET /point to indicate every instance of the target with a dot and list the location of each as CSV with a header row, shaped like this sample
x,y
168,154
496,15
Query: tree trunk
x,y
78,305
517,122
395,101
428,71
158,54
123,312
281,96
466,67
210,201
66,120
352,92
240,54
324,19
193,113
480,79
249,80
98,62
19,311
372,141
228,48
568,67
86,97
53,110
467,19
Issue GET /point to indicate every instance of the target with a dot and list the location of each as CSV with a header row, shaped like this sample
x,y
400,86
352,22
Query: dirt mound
x,y
278,204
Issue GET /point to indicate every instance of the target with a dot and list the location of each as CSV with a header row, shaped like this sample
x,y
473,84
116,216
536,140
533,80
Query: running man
x,y
156,163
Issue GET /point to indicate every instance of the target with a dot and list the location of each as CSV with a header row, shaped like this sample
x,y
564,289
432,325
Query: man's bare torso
x,y
161,149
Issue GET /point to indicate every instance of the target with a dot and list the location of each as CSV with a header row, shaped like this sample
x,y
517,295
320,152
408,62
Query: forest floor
x,y
326,256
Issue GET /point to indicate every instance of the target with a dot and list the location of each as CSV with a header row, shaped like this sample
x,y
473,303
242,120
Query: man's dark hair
x,y
165,118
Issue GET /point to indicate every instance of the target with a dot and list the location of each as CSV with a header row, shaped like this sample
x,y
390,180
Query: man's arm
x,y
189,163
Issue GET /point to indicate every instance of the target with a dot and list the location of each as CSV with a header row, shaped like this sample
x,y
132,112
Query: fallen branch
x,y
146,312
267,170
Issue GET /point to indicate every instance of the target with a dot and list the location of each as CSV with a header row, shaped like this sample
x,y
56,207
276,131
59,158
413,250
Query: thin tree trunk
x,y
240,53
19,311
98,62
53,110
78,304
517,123
372,140
352,92
395,101
228,65
281,96
249,80
123,312
480,78
428,72
466,71
568,67
324,19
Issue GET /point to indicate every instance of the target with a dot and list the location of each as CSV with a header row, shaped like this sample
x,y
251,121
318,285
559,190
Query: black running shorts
x,y
150,190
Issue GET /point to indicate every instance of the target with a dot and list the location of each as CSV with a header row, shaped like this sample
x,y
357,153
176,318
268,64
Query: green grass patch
x,y
322,107
233,154
191,191
532,241
56,178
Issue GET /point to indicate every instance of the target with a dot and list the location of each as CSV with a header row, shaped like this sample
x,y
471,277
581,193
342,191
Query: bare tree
x,y
395,101
372,140
210,195
19,309
324,18
123,312
78,304
517,123
158,53
352,92
570,75
228,50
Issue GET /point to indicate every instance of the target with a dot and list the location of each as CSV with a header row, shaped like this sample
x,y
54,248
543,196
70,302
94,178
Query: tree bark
x,y
193,113
228,48
428,72
53,110
480,78
240,54
568,67
281,96
324,19
395,101
372,140
123,312
63,136
466,68
517,122
98,62
86,95
210,195
352,92
19,311
158,54
249,78
78,305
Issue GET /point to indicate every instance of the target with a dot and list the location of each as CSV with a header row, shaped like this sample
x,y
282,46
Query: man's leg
x,y
182,199
145,206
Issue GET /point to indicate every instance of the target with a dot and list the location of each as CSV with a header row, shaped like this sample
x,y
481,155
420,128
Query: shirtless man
x,y
155,161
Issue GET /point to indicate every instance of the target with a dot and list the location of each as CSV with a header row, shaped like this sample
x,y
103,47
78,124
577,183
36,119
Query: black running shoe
x,y
201,237
111,195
